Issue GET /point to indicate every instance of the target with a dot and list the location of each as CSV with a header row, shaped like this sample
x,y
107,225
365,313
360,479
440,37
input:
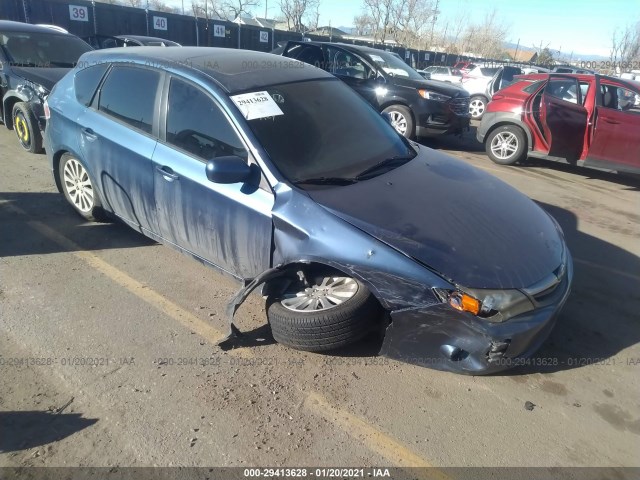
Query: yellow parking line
x,y
374,439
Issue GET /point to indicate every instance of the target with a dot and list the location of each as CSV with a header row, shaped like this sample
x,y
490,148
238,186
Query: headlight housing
x,y
494,306
429,95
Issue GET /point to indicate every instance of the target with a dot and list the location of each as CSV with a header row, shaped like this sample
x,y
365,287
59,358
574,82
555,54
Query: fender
x,y
505,118
23,94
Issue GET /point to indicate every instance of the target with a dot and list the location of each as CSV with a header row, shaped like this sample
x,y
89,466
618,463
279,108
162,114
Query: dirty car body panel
x,y
415,231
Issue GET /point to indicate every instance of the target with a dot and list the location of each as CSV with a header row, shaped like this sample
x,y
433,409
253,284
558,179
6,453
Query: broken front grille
x,y
460,106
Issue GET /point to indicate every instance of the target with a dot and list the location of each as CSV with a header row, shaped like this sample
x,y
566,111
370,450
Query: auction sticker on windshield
x,y
256,105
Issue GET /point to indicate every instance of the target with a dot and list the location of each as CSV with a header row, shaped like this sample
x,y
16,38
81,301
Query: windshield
x,y
39,49
325,130
394,65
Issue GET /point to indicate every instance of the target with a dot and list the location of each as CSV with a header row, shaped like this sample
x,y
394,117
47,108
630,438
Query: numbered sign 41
x,y
79,13
160,23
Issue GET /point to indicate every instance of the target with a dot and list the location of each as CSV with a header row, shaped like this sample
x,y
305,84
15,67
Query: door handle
x,y
167,173
89,133
612,122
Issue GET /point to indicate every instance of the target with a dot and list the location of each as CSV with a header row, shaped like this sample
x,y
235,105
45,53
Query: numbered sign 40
x,y
79,13
160,23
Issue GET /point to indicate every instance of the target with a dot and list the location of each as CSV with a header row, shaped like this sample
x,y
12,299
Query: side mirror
x,y
231,169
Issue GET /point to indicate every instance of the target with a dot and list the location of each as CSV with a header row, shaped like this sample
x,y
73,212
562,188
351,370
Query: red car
x,y
589,120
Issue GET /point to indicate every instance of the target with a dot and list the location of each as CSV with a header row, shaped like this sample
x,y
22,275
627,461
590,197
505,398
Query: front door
x,y
228,225
355,72
615,142
563,117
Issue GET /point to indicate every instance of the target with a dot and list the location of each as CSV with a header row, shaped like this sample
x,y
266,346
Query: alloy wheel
x,y
78,185
504,145
329,293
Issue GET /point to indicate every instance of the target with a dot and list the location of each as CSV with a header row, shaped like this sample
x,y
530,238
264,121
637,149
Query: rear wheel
x,y
78,189
477,106
506,145
26,127
401,120
332,312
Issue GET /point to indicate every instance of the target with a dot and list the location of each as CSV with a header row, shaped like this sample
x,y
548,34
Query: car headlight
x,y
429,95
494,306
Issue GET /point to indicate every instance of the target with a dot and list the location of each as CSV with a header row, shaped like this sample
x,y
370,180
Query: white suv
x,y
475,82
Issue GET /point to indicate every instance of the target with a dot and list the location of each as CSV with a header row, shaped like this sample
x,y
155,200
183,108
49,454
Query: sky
x,y
579,26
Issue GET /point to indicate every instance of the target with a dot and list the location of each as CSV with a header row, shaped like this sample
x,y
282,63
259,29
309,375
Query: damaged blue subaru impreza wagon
x,y
280,175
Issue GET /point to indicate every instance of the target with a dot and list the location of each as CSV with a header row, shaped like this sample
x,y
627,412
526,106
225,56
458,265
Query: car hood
x,y
47,77
434,85
467,225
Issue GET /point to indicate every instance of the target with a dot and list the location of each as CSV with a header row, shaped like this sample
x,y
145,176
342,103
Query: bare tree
x,y
233,9
404,21
487,38
625,46
363,24
207,9
160,6
300,14
134,3
380,13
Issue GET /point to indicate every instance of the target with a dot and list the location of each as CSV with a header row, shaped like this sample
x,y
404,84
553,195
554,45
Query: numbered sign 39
x,y
160,23
78,13
219,30
264,37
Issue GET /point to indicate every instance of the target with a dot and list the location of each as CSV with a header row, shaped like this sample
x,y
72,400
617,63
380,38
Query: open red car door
x,y
563,118
615,142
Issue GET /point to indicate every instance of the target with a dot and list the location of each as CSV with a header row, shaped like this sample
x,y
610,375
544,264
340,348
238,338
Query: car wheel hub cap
x,y
331,292
476,108
78,185
398,121
22,130
504,145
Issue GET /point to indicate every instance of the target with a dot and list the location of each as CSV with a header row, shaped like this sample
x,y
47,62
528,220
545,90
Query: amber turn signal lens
x,y
464,303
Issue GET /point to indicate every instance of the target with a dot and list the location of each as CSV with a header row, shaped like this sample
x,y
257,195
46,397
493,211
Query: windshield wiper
x,y
386,165
326,181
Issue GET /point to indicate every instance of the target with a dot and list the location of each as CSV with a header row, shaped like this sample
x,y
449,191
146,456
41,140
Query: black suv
x,y
32,60
415,106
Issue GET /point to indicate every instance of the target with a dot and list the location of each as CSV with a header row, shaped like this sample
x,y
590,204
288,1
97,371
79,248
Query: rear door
x,y
306,52
615,141
118,137
563,117
503,78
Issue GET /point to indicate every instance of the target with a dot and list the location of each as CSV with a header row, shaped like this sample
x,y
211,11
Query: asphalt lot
x,y
119,335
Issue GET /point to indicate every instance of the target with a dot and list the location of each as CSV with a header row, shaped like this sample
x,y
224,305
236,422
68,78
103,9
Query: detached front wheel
x,y
26,127
332,312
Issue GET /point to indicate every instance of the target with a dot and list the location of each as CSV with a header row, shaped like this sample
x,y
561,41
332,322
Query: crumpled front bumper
x,y
442,338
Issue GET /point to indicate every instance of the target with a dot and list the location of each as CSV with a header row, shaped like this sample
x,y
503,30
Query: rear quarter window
x,y
533,87
86,82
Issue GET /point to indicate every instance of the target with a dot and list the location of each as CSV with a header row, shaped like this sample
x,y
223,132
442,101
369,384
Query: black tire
x,y
84,198
406,129
517,139
324,330
25,124
477,106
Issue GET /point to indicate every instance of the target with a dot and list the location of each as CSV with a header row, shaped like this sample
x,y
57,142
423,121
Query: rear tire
x,y
78,189
318,330
477,106
506,145
25,124
401,120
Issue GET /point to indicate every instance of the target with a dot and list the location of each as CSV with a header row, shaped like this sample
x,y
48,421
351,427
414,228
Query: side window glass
x,y
86,82
347,65
563,88
584,89
620,99
196,124
129,95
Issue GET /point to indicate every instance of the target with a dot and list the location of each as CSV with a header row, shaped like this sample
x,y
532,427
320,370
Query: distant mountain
x,y
556,53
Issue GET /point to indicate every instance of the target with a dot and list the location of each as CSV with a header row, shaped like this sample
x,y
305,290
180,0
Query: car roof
x,y
235,70
348,46
9,26
145,38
